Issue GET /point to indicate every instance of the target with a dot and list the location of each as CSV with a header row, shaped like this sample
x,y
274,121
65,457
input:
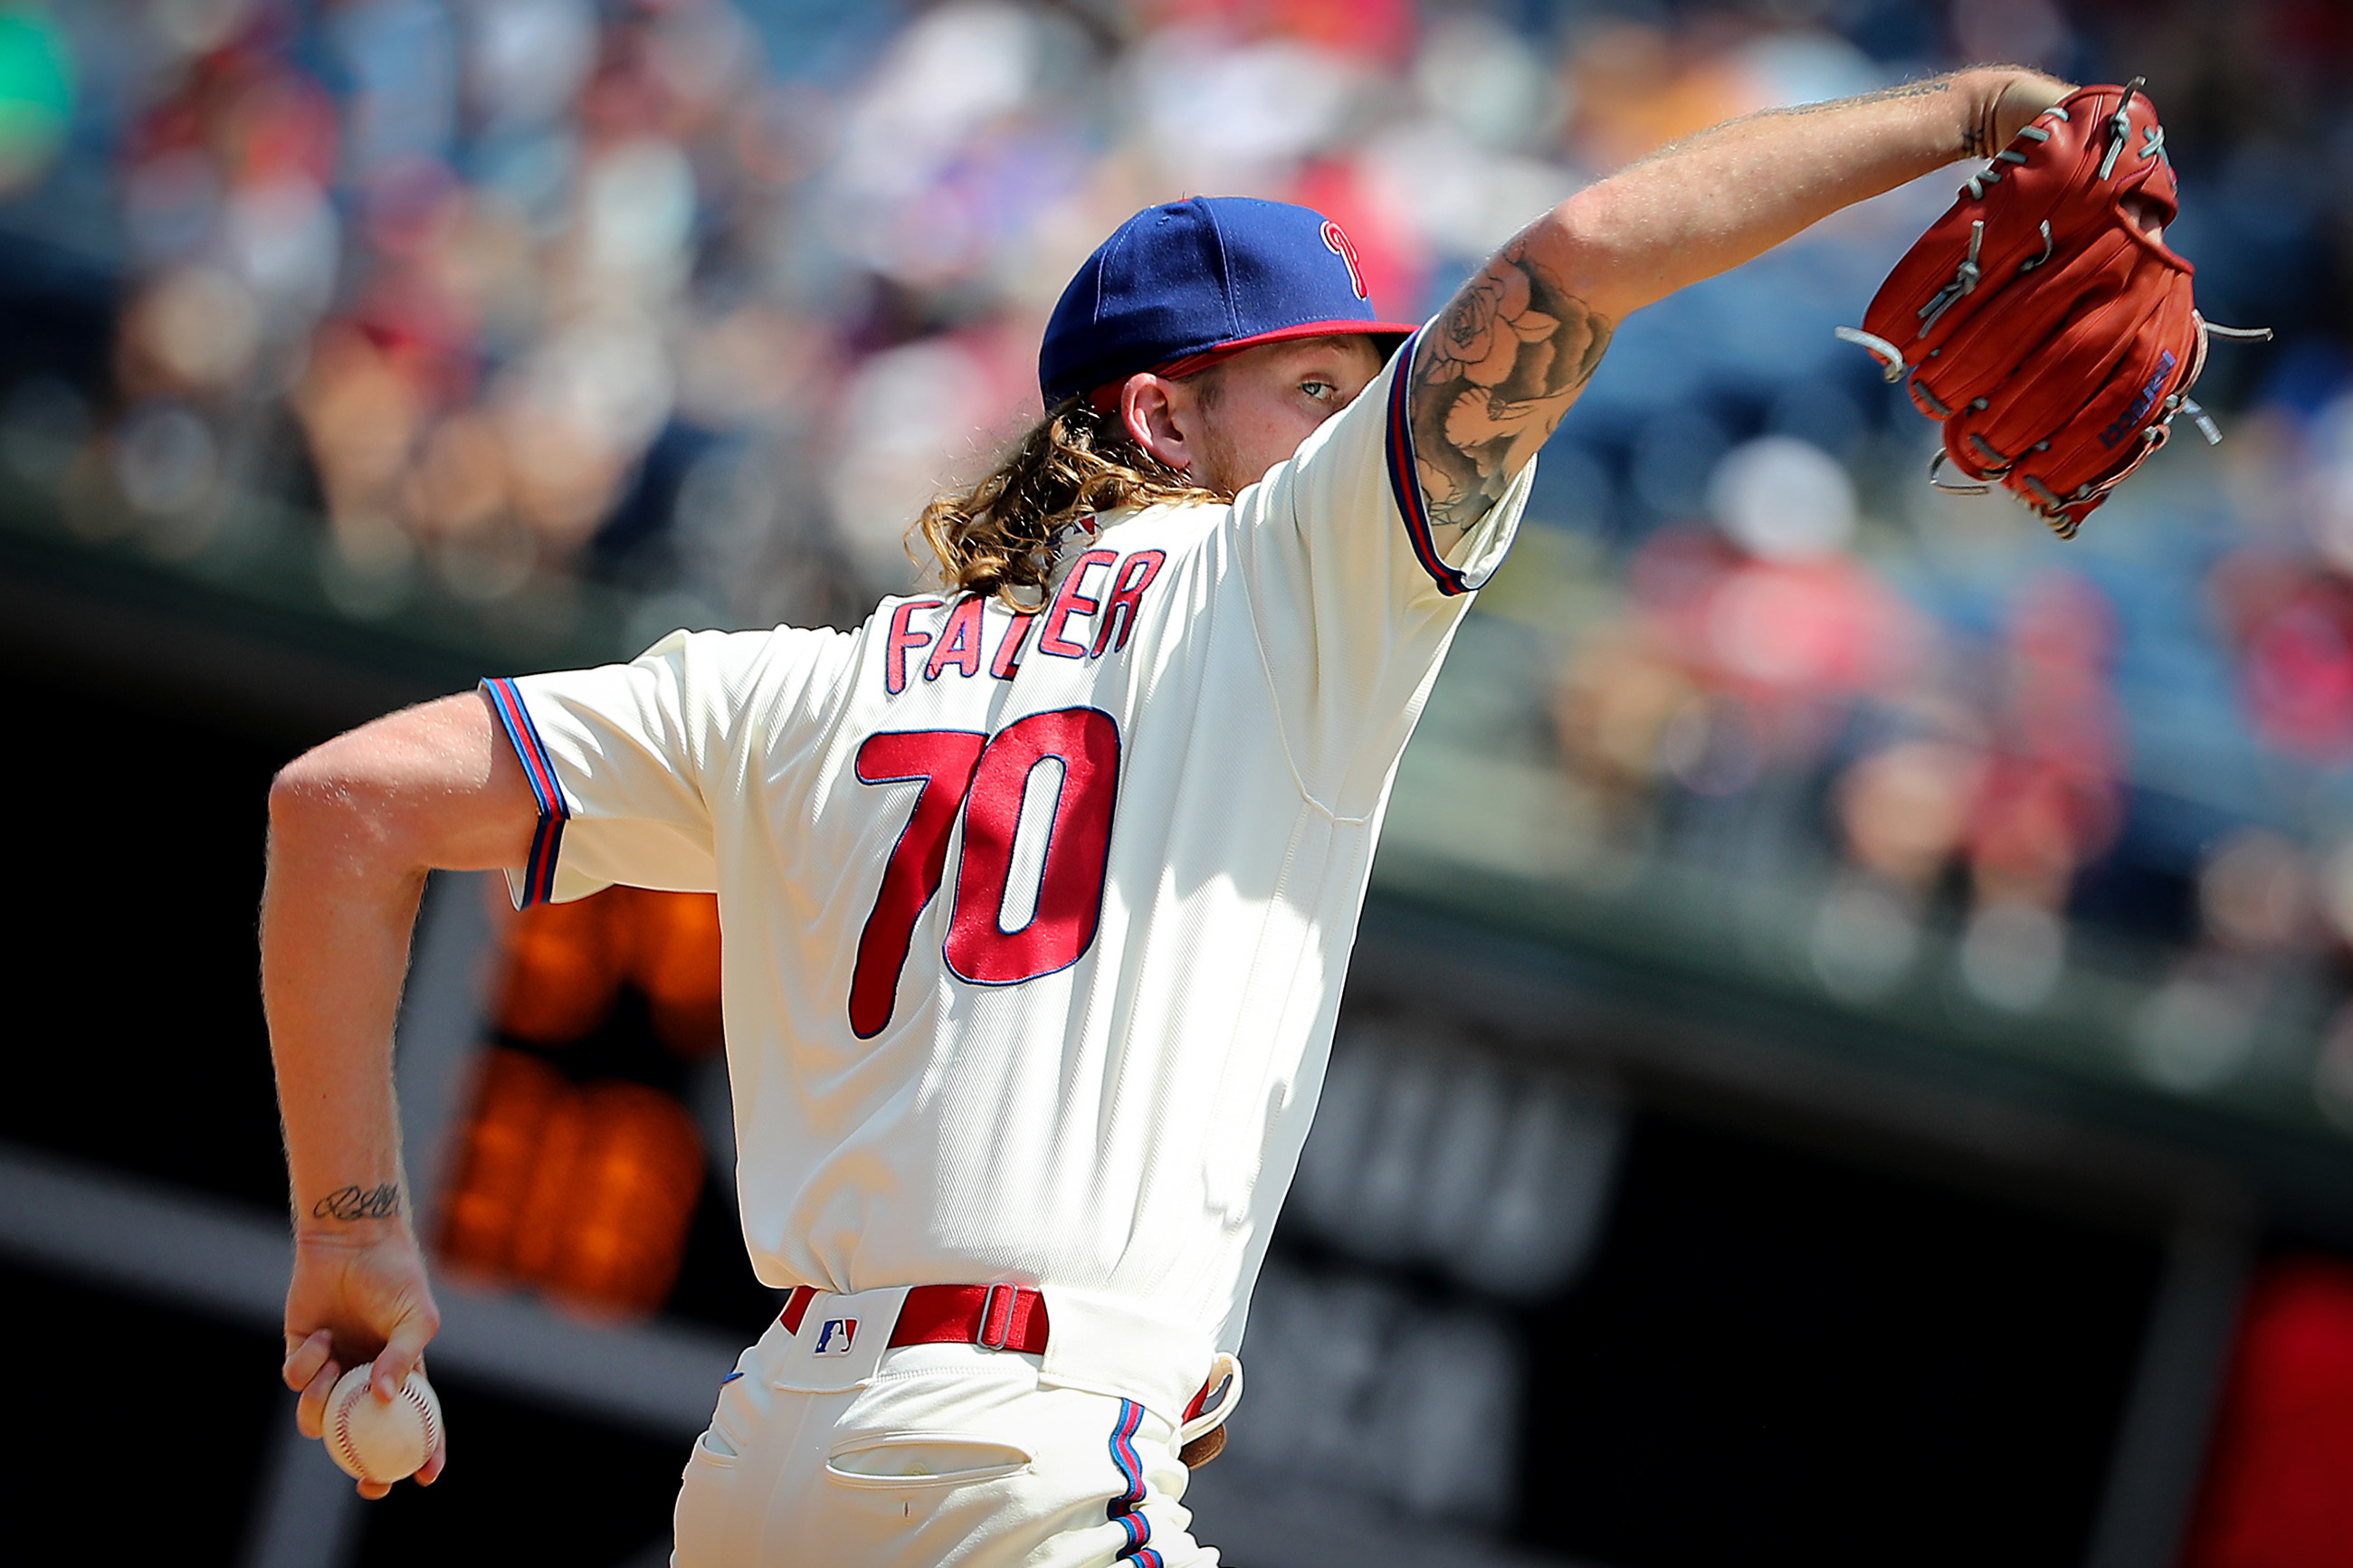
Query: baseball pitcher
x,y
1037,887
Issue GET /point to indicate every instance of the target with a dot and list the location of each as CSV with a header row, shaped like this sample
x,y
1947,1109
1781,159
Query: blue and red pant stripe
x,y
1127,1508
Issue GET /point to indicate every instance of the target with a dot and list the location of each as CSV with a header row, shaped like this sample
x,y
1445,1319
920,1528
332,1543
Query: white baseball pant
x,y
937,1454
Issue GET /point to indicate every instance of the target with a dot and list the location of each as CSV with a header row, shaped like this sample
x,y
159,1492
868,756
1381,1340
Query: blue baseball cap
x,y
1180,287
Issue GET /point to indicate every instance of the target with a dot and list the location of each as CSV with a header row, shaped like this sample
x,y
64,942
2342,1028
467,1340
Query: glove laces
x,y
2120,128
2065,513
1965,277
1985,468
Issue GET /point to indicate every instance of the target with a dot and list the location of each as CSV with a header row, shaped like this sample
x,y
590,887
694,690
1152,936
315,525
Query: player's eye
x,y
1320,391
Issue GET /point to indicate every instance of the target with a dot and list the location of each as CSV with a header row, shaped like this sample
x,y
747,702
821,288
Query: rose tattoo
x,y
1491,378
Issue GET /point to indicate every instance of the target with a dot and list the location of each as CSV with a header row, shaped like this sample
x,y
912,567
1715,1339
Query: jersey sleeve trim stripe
x,y
1404,476
539,768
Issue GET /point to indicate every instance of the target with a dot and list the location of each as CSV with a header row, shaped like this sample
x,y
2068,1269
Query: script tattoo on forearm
x,y
359,1202
1491,379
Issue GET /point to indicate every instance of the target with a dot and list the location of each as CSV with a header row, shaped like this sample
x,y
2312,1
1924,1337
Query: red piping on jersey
x,y
539,770
1406,482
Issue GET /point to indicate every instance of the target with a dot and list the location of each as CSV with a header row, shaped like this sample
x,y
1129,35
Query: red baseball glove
x,y
2044,318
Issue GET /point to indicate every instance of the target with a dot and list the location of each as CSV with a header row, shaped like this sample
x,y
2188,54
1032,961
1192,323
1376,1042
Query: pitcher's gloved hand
x,y
2043,320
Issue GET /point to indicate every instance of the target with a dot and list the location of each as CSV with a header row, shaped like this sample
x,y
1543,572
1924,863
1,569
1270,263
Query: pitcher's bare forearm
x,y
334,949
1712,201
1511,352
354,827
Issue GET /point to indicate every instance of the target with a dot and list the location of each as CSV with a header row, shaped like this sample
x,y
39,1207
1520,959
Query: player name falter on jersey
x,y
1092,614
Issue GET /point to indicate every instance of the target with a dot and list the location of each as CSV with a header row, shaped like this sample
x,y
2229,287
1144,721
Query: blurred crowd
x,y
700,299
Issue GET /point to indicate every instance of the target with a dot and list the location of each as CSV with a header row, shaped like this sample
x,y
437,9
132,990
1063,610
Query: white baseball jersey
x,y
1035,924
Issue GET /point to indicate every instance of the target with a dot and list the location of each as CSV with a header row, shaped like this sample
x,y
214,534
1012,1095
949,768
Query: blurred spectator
x,y
1742,645
697,301
36,94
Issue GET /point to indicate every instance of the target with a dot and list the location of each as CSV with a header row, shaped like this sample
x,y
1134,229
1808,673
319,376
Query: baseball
x,y
377,1442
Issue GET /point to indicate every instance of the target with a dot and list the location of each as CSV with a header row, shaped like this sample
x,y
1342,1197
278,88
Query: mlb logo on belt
x,y
835,1336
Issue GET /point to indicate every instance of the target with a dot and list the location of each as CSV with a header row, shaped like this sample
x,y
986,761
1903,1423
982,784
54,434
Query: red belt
x,y
994,1316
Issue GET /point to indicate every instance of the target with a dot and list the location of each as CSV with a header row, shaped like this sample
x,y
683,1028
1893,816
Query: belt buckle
x,y
988,1318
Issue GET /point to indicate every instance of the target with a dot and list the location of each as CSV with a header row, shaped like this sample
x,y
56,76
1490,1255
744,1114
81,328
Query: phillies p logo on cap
x,y
1179,287
1336,241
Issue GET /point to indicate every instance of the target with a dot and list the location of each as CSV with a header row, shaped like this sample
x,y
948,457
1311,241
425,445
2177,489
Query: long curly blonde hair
x,y
995,536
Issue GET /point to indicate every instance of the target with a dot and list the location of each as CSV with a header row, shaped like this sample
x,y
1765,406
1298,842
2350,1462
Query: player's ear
x,y
1161,419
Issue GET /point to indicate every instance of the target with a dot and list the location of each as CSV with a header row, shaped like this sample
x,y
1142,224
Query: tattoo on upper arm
x,y
1491,377
359,1202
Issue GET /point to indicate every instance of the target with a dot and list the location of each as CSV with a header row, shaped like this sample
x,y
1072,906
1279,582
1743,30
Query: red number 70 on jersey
x,y
987,779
